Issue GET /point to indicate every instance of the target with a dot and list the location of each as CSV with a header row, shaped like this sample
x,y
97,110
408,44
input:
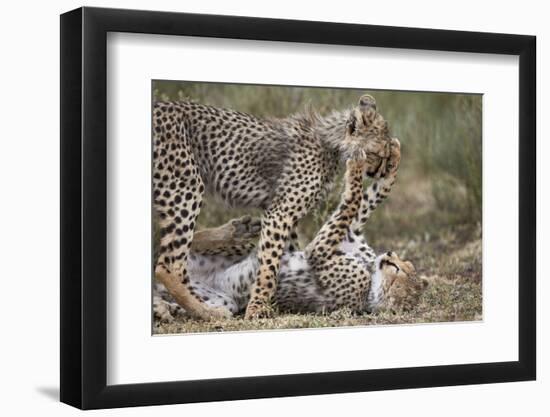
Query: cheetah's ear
x,y
410,266
366,102
368,108
424,282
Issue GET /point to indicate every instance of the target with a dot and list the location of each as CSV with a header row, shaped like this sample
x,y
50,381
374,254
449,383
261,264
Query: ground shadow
x,y
50,392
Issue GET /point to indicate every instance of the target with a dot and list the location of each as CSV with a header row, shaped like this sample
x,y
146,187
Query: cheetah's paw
x,y
246,227
395,156
165,311
258,311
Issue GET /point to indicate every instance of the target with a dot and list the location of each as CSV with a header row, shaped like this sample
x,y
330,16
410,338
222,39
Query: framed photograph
x,y
259,208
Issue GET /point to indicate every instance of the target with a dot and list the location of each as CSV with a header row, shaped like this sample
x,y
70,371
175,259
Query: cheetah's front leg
x,y
274,235
379,190
327,241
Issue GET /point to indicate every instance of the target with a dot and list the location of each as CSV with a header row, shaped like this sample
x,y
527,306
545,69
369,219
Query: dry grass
x,y
451,264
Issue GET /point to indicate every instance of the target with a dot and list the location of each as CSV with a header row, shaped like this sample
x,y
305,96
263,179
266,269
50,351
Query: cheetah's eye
x,y
392,264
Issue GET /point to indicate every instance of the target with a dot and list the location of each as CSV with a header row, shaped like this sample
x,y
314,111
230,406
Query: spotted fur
x,y
282,166
337,269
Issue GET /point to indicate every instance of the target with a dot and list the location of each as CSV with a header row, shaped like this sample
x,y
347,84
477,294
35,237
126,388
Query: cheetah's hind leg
x,y
234,239
165,310
177,194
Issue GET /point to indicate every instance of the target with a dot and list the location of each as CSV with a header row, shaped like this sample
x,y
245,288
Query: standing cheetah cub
x,y
283,166
337,269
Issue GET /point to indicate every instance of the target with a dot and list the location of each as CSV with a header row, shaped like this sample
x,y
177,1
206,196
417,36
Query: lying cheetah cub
x,y
337,269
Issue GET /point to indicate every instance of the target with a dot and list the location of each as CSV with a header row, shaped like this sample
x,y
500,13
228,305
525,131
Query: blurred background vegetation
x,y
439,185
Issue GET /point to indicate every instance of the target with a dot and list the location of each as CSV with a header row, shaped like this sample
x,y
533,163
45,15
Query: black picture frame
x,y
84,197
